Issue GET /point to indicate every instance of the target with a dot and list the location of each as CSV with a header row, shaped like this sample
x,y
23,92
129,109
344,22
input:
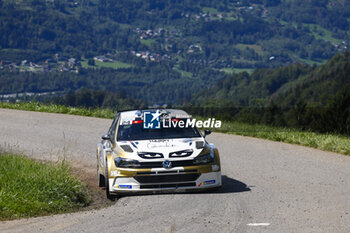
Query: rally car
x,y
156,151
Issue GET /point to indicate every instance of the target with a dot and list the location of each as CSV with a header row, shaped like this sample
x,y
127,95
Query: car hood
x,y
163,146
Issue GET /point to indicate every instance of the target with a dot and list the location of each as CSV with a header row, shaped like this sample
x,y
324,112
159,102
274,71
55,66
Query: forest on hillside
x,y
300,96
306,97
277,62
226,35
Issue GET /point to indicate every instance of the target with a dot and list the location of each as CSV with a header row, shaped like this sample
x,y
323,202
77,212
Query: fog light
x,y
215,168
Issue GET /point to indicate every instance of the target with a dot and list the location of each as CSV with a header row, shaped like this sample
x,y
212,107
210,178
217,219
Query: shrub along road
x,y
267,186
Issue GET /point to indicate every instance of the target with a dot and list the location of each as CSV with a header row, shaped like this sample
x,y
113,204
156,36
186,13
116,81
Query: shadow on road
x,y
230,185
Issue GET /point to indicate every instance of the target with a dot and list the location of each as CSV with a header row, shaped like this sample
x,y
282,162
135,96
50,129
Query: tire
x,y
100,178
101,181
106,178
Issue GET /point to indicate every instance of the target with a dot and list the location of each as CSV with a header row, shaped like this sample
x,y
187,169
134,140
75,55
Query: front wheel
x,y
100,178
106,178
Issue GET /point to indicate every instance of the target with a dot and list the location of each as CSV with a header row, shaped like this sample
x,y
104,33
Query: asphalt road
x,y
267,186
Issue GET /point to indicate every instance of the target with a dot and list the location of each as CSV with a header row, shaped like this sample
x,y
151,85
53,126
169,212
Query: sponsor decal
x,y
160,140
207,182
115,173
159,145
186,140
133,144
126,122
124,186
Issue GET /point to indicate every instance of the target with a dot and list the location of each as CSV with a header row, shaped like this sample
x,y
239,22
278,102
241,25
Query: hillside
x,y
139,47
254,89
319,86
223,34
307,97
284,86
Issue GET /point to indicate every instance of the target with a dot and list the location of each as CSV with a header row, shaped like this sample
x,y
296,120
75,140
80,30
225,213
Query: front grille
x,y
167,178
154,186
179,163
167,172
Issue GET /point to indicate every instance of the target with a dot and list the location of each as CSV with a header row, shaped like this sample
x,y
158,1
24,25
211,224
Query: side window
x,y
112,129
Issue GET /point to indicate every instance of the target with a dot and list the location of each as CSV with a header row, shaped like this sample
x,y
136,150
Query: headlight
x,y
126,163
204,159
150,155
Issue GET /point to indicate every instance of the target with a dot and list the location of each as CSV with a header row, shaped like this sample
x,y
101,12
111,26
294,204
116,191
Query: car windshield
x,y
133,132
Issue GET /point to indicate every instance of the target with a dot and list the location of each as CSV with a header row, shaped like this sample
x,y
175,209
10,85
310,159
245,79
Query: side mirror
x,y
106,137
206,132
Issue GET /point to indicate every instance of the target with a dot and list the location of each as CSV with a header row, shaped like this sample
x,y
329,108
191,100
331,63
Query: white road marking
x,y
258,224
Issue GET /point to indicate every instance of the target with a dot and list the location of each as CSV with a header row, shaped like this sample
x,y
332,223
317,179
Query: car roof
x,y
139,113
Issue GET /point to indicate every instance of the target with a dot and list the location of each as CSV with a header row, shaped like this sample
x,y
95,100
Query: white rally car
x,y
155,150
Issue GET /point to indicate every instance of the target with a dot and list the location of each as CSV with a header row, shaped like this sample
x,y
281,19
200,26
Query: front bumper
x,y
161,179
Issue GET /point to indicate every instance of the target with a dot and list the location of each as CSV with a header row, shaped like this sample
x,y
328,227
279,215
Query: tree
x,y
91,62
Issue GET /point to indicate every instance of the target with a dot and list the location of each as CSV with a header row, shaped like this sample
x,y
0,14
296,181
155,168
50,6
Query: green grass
x,y
113,65
210,10
30,188
327,142
326,34
320,32
232,15
147,42
311,62
183,73
257,48
53,108
237,70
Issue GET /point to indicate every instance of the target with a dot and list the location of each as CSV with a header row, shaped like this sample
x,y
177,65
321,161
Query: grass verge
x,y
30,188
327,142
53,108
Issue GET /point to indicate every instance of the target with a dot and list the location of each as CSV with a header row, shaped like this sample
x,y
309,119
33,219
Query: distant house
x,y
72,62
160,30
265,13
24,63
102,59
13,66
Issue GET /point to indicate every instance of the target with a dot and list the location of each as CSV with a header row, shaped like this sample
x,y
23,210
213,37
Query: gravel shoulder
x,y
268,186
